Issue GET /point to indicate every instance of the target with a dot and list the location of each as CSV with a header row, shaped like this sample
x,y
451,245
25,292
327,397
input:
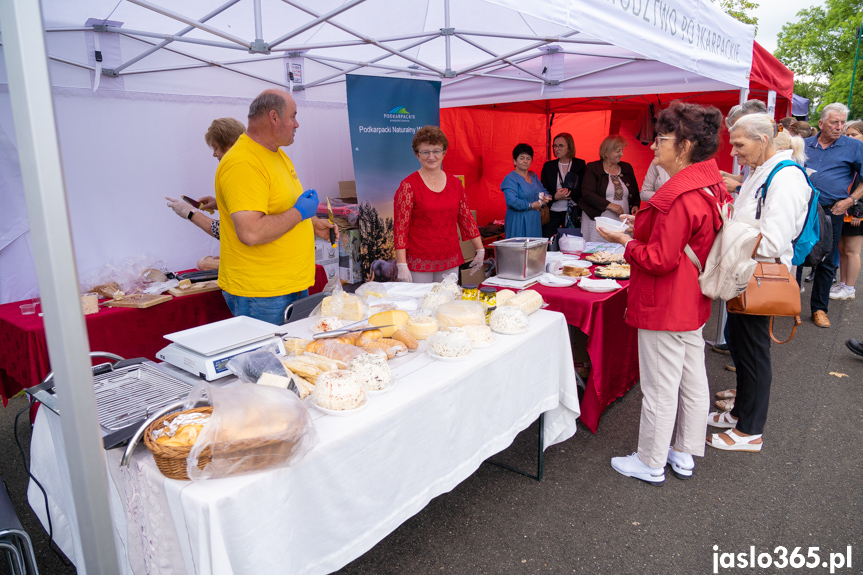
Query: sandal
x,y
740,443
721,419
724,404
726,394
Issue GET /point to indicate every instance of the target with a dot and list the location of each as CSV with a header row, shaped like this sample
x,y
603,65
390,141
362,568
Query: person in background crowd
x,y
426,206
852,234
524,196
836,160
653,180
785,141
787,122
609,189
267,246
802,129
782,216
561,179
665,301
220,136
732,181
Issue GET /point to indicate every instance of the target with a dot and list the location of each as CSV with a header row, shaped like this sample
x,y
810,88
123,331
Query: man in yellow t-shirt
x,y
267,255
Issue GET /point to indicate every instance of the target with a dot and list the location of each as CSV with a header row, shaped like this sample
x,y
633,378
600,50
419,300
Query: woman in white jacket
x,y
783,214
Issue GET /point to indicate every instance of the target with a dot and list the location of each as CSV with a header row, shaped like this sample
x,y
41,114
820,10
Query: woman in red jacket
x,y
665,302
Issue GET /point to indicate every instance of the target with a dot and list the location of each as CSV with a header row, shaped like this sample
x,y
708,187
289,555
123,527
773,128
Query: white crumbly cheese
x,y
327,324
338,390
450,344
508,319
479,334
373,371
433,300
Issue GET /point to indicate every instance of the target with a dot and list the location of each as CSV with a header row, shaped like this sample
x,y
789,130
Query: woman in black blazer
x,y
562,179
609,188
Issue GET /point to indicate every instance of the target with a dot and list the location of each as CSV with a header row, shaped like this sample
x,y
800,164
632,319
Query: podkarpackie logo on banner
x,y
399,114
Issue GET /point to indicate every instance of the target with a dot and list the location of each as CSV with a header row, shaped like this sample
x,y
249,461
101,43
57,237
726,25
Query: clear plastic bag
x,y
342,305
372,289
571,243
129,275
252,428
459,313
450,284
249,367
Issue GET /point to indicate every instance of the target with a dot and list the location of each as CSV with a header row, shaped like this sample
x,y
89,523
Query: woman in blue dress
x,y
524,195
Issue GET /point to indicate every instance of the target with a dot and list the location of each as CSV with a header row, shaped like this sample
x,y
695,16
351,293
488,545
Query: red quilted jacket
x,y
663,291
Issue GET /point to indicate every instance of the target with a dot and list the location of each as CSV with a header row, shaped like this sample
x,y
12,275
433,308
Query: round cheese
x,y
395,318
422,327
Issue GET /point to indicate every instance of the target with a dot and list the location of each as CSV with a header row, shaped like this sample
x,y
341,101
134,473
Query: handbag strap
x,y
693,258
725,215
797,322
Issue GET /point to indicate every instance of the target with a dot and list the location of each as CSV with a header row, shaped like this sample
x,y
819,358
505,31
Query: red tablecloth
x,y
611,344
128,332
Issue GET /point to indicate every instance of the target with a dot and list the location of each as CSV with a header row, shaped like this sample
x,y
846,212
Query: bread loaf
x,y
208,263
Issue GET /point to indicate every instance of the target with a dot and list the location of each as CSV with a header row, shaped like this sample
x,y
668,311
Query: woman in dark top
x,y
562,180
609,188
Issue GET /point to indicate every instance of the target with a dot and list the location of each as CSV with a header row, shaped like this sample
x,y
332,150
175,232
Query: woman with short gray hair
x,y
779,218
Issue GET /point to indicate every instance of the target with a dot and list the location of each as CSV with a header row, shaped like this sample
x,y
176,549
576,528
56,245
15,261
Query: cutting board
x,y
140,300
195,288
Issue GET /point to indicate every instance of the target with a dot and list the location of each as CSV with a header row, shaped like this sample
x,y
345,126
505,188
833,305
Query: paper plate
x,y
577,263
550,280
433,355
341,412
603,287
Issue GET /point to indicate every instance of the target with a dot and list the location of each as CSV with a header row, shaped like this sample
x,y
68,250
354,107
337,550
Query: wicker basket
x,y
171,461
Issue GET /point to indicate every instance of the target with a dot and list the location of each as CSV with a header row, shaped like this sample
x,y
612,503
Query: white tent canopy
x,y
133,132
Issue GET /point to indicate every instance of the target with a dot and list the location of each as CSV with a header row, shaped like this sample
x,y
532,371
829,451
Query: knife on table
x,y
332,221
341,332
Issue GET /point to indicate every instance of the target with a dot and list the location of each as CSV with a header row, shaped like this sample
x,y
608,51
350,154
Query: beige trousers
x,y
674,383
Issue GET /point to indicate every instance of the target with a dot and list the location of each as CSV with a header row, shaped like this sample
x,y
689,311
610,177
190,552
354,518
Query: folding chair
x,y
14,541
303,308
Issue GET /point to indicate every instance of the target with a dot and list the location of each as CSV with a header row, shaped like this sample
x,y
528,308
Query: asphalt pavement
x,y
803,490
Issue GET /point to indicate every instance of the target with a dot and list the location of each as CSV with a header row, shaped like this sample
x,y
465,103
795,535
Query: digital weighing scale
x,y
206,350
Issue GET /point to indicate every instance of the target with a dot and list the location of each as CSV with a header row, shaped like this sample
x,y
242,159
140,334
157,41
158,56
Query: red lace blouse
x,y
423,223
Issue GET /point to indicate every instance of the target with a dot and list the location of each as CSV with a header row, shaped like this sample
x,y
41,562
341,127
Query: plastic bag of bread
x,y
252,428
527,301
459,313
208,263
343,306
334,350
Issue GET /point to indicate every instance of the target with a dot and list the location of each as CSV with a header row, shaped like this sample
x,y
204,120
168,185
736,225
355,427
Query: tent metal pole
x,y
565,38
165,42
71,63
357,42
65,330
617,65
192,22
634,56
521,50
379,58
489,52
368,40
145,34
259,28
370,65
318,20
447,37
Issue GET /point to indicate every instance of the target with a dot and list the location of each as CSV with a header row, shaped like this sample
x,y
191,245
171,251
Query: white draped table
x,y
370,472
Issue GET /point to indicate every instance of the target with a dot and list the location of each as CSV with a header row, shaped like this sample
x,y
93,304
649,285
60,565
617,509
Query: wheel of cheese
x,y
395,318
422,327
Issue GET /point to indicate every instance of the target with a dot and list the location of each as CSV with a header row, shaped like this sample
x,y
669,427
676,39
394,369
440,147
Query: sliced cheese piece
x,y
348,307
422,327
185,284
396,318
273,380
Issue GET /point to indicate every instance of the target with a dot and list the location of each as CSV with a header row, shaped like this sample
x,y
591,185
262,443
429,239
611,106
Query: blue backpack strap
x,y
762,191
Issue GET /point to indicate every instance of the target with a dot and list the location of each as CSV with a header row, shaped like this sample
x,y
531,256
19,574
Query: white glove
x,y
180,207
404,273
478,259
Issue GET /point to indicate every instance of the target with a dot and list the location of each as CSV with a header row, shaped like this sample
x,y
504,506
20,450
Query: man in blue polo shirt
x,y
835,159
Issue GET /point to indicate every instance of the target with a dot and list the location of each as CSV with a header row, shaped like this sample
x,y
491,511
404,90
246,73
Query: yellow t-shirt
x,y
252,178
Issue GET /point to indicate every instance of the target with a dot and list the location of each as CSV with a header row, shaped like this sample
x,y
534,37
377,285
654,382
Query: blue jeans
x,y
269,309
825,272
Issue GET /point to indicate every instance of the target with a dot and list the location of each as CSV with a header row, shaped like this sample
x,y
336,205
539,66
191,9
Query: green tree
x,y
739,9
820,47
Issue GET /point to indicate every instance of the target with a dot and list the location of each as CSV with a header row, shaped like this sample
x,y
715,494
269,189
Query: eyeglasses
x,y
558,146
656,140
427,153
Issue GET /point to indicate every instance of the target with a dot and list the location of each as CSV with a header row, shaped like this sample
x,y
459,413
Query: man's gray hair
x,y
740,110
834,107
265,102
756,125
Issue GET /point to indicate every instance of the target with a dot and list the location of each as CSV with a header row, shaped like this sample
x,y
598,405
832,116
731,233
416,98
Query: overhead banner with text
x,y
384,114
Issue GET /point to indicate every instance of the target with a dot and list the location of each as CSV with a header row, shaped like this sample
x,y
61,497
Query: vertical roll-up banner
x,y
384,114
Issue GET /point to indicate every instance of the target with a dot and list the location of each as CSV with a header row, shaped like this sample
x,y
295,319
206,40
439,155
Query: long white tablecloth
x,y
370,472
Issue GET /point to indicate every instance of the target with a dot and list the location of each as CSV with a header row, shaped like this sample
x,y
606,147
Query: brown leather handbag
x,y
544,214
771,291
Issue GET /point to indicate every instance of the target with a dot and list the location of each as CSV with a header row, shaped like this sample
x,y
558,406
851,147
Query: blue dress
x,y
521,221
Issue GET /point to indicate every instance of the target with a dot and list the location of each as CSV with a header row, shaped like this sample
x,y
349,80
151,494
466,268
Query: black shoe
x,y
721,348
855,346
811,276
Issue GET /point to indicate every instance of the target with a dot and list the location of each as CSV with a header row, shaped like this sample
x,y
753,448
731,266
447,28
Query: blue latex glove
x,y
307,204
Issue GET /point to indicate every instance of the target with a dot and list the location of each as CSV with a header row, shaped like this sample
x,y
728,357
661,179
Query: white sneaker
x,y
631,466
836,288
681,464
847,292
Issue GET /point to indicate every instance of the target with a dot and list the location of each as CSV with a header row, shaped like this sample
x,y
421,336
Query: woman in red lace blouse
x,y
428,204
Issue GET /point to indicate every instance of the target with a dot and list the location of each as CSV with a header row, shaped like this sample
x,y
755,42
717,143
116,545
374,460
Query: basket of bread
x,y
171,437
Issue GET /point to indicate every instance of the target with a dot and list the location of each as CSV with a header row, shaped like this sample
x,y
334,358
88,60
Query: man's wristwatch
x,y
189,217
